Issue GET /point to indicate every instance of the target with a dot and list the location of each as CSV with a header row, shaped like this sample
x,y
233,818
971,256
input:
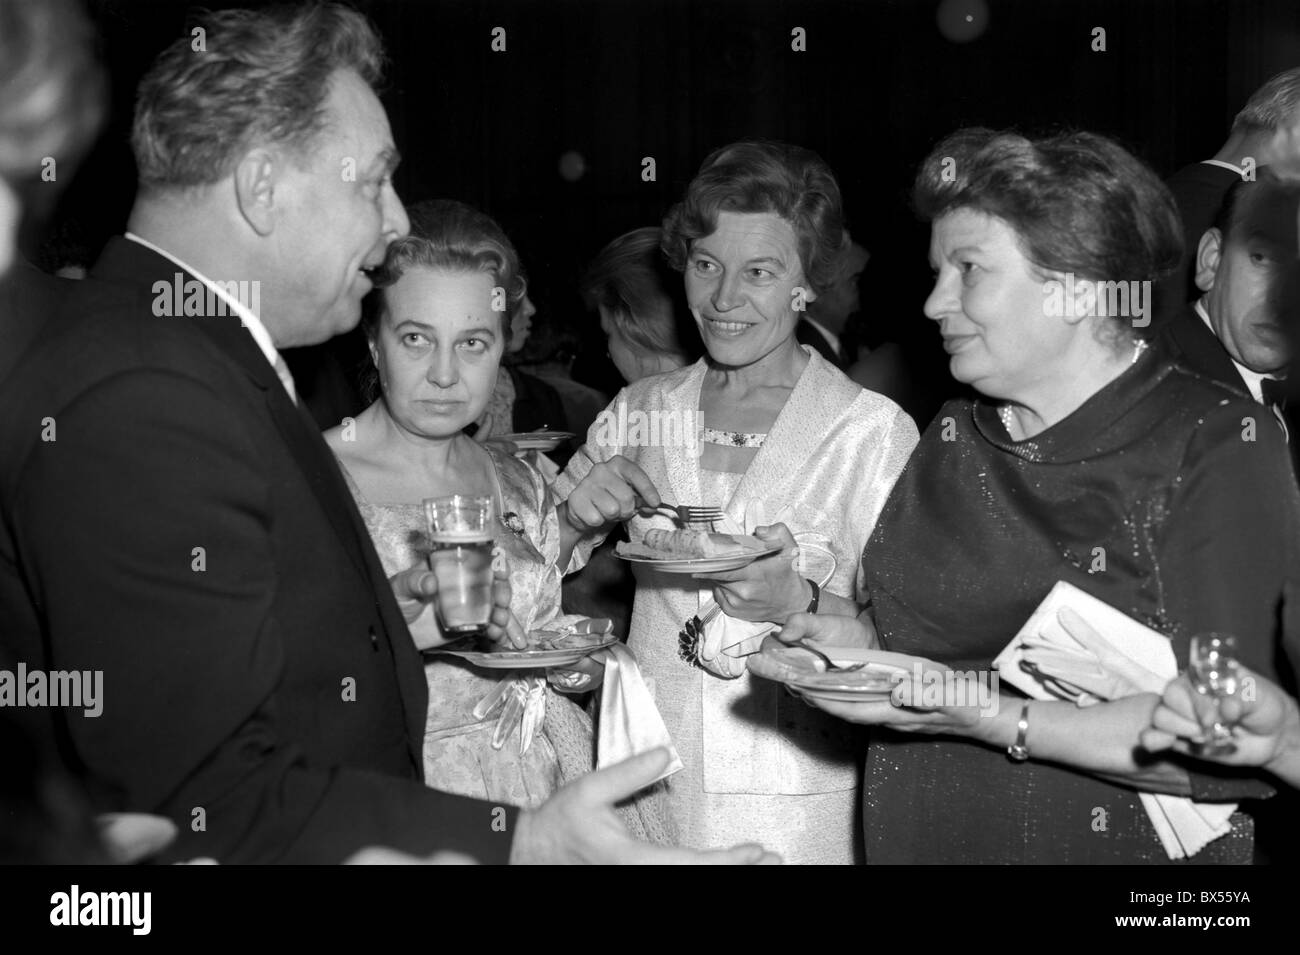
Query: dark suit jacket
x,y
28,300
326,377
1194,346
806,333
1198,348
1198,190
188,533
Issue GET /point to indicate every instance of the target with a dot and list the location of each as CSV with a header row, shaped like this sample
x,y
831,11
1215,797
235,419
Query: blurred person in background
x,y
836,326
51,104
1265,132
648,331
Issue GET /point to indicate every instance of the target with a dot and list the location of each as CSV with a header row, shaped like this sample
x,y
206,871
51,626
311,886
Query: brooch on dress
x,y
688,642
514,522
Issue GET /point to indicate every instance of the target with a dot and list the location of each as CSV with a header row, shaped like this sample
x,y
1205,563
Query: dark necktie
x,y
1274,394
1274,391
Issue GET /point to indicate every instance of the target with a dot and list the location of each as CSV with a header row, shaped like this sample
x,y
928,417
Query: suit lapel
x,y
322,469
130,264
1201,351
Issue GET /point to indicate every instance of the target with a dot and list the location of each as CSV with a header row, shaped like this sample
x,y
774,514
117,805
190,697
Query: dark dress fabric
x,y
1199,529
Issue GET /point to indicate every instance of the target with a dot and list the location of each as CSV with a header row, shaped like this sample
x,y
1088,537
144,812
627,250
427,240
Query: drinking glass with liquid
x,y
460,532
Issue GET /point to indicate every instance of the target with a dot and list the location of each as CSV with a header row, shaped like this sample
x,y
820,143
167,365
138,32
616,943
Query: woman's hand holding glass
x,y
1265,723
417,587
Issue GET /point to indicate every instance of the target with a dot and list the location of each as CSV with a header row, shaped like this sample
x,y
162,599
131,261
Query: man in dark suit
x,y
826,320
1235,333
173,521
1265,132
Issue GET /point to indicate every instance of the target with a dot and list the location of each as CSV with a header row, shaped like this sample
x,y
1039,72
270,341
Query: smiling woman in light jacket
x,y
785,444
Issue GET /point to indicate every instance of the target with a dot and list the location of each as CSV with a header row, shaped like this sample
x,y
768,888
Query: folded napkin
x,y
1046,662
630,723
726,641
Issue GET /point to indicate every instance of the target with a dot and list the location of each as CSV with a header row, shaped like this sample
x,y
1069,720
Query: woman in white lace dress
x,y
436,336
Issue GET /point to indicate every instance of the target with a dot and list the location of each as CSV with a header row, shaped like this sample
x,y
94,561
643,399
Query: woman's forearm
x,y
1101,740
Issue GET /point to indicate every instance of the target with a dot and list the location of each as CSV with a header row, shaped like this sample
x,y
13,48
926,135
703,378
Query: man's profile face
x,y
339,214
1248,295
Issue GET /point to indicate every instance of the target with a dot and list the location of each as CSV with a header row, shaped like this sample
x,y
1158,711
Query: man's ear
x,y
1208,254
255,181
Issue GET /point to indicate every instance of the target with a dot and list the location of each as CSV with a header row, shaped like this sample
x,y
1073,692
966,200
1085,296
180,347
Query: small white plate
x,y
807,675
698,565
536,440
524,659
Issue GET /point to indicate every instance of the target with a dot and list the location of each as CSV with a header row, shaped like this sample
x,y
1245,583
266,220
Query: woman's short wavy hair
x,y
632,284
1079,202
454,237
449,236
759,176
257,76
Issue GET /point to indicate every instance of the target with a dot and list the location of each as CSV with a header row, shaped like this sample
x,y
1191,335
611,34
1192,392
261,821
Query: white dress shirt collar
x,y
829,335
1224,165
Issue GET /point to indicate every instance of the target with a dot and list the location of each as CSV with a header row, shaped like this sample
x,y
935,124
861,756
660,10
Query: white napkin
x,y
1184,827
630,723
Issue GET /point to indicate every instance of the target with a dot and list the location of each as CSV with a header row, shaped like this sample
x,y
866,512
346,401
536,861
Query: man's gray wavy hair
x,y
249,76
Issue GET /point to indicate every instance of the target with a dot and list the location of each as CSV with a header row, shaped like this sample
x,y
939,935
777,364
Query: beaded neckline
x,y
732,439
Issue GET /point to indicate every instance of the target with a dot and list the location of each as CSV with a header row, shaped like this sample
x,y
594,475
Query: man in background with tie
x,y
1234,332
826,320
1265,132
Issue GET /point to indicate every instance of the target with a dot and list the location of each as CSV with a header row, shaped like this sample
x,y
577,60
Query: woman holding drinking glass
x,y
1087,457
436,341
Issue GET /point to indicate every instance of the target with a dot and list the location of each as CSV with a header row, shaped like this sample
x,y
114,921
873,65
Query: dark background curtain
x,y
616,82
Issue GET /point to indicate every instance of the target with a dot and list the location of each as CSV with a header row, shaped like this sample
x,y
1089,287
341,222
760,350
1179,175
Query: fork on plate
x,y
688,513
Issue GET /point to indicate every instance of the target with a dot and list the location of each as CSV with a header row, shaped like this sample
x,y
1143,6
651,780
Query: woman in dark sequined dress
x,y
1087,457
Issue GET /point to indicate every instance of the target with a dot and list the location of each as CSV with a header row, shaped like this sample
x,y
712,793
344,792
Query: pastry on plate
x,y
689,544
